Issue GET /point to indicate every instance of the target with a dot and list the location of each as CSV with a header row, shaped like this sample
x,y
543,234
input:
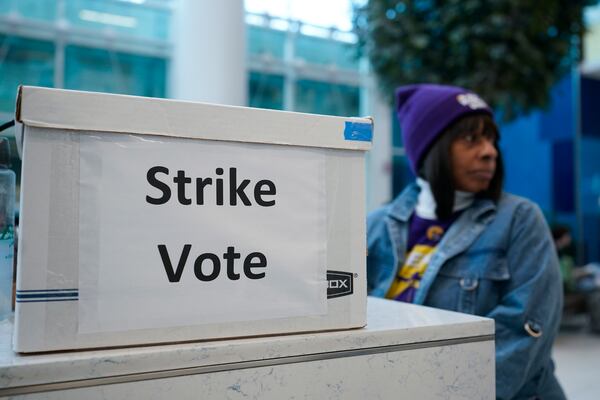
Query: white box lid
x,y
90,111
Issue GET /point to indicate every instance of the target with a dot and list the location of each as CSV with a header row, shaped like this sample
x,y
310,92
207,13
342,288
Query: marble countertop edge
x,y
387,326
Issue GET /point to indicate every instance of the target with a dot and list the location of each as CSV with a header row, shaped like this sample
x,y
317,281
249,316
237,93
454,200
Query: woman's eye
x,y
469,137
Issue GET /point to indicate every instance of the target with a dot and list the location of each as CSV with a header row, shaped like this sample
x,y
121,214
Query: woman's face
x,y
473,156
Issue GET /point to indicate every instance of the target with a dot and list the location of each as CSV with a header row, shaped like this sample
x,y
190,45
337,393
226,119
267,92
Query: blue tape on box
x,y
358,131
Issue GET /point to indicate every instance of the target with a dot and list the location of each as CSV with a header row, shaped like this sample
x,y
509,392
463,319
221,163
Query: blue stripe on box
x,y
358,131
45,295
46,290
45,300
41,295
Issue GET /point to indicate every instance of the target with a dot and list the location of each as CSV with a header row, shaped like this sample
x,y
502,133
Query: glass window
x,y
102,70
326,51
127,17
14,162
337,13
266,91
327,98
43,10
401,174
5,7
397,142
591,39
23,62
261,41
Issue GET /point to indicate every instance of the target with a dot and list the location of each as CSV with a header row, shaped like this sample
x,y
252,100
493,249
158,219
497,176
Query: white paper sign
x,y
180,232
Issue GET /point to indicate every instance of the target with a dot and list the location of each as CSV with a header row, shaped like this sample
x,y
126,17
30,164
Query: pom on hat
x,y
426,110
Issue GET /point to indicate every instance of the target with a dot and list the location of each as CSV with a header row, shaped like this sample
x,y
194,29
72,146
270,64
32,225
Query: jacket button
x,y
533,329
469,283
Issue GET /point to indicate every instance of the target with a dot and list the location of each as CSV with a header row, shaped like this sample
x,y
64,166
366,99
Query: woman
x,y
454,240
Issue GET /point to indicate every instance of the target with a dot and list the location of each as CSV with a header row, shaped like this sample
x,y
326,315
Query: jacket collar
x,y
482,210
404,205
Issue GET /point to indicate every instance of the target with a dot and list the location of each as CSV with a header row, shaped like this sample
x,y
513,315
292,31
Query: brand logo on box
x,y
339,284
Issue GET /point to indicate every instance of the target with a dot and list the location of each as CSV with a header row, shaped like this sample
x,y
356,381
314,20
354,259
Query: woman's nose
x,y
488,149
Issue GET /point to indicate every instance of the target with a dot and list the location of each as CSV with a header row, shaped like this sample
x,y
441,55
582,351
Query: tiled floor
x,y
577,357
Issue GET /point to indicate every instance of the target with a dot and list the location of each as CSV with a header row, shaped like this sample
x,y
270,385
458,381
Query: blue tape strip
x,y
358,131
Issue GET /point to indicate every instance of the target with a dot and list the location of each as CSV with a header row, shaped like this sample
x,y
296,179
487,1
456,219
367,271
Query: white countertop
x,y
390,323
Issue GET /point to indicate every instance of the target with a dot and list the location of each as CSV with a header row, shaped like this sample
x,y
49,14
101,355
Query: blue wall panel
x,y
590,106
590,167
557,122
590,175
563,176
527,160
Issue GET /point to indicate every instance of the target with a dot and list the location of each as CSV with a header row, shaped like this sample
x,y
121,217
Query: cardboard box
x,y
150,221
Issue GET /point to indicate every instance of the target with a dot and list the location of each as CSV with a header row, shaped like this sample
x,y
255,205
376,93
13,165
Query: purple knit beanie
x,y
426,110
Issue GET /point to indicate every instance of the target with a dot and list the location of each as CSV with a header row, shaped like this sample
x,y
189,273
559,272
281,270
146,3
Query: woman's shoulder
x,y
511,202
520,210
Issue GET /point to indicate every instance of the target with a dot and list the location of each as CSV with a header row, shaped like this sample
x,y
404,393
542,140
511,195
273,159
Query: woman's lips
x,y
482,174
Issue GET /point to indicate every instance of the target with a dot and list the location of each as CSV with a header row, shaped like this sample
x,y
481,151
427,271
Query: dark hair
x,y
559,231
436,167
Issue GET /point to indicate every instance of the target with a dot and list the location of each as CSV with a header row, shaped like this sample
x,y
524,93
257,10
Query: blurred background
x,y
538,65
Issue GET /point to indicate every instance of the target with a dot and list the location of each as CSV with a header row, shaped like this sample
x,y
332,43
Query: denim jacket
x,y
496,260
